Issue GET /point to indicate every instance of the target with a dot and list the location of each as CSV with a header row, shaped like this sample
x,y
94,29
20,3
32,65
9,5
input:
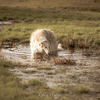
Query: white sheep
x,y
43,41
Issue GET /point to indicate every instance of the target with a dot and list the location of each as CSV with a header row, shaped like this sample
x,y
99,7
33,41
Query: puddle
x,y
9,22
56,75
18,54
6,22
22,54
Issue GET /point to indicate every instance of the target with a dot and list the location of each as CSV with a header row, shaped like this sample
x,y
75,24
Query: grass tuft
x,y
34,82
81,89
29,71
45,68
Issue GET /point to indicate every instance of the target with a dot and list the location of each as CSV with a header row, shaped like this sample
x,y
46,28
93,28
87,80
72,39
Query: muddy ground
x,y
85,71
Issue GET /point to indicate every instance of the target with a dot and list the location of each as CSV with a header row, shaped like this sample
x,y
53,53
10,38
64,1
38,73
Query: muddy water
x,y
22,54
56,75
18,54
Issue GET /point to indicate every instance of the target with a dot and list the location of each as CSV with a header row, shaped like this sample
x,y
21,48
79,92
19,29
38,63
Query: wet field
x,y
73,74
85,71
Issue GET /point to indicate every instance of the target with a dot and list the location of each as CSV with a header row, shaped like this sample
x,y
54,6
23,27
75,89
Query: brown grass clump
x,y
79,43
7,44
64,61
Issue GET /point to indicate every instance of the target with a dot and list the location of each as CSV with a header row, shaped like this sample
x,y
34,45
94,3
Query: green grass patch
x,y
78,30
30,15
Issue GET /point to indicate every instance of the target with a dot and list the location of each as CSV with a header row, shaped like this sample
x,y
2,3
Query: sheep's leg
x,y
32,54
53,50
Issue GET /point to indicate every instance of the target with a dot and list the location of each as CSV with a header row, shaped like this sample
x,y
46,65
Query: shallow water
x,y
18,54
6,22
22,54
59,75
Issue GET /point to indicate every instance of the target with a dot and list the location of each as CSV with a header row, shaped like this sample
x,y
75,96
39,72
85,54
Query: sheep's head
x,y
45,47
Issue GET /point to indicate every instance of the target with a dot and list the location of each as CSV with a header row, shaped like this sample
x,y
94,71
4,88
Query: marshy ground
x,y
74,74
66,79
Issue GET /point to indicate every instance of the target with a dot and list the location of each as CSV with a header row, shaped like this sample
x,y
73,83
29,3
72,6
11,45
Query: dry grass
x,y
64,61
37,4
